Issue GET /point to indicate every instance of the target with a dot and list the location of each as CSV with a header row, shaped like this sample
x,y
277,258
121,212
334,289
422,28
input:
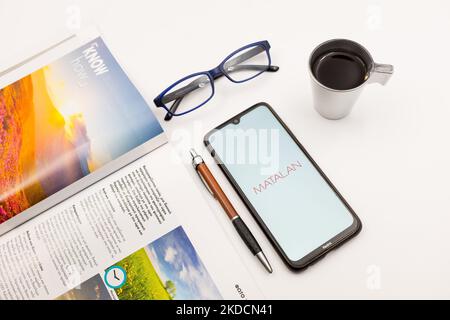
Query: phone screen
x,y
294,201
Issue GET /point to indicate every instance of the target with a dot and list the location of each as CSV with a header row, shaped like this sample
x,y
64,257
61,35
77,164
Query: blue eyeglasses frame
x,y
214,74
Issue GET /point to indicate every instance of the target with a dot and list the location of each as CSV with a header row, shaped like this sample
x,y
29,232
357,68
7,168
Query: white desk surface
x,y
390,158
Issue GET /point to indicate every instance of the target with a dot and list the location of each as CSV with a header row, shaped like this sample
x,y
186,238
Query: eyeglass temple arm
x,y
194,85
253,67
173,109
235,64
243,57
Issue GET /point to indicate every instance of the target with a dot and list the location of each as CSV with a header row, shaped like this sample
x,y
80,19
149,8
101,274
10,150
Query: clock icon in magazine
x,y
115,277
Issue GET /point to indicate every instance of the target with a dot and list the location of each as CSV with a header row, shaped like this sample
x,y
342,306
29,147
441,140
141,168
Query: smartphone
x,y
290,197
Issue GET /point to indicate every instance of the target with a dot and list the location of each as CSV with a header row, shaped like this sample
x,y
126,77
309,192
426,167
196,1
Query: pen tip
x,y
193,152
261,256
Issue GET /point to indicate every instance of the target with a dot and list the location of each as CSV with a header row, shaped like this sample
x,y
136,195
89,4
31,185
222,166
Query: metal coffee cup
x,y
334,103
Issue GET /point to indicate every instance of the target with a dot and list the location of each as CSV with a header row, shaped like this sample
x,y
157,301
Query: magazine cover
x,y
77,117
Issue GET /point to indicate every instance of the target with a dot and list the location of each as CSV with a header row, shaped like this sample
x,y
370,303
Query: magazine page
x,y
69,117
144,232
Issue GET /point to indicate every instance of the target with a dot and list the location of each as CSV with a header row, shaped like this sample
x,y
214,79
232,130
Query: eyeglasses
x,y
195,90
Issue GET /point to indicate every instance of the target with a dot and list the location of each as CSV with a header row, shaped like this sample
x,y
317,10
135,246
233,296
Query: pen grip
x,y
246,235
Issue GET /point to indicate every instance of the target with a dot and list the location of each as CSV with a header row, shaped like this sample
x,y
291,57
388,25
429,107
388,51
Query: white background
x,y
389,158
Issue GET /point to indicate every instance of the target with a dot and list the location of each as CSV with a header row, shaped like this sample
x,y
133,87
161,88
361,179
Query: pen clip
x,y
205,184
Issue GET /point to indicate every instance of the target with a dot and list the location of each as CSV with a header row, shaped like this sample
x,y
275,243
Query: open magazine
x,y
91,205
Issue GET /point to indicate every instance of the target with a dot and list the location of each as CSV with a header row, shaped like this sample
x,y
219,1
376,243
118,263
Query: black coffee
x,y
340,70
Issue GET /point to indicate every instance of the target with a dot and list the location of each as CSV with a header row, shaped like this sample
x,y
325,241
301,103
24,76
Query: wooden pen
x,y
214,188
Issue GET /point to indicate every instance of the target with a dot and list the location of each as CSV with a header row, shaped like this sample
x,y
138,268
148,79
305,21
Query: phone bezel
x,y
322,250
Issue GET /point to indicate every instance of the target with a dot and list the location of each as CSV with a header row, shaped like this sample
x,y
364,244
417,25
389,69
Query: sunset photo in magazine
x,y
64,121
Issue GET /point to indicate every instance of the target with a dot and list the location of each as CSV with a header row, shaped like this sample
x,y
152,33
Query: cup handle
x,y
381,73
